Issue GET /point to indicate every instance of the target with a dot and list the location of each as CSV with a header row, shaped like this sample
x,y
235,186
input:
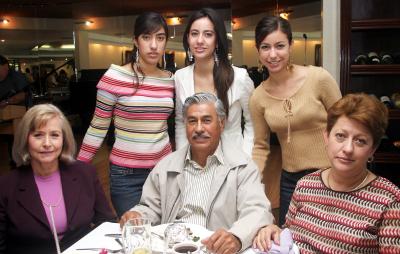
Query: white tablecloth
x,y
97,239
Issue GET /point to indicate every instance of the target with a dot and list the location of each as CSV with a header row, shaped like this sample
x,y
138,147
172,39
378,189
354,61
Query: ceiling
x,y
242,8
100,8
104,8
36,22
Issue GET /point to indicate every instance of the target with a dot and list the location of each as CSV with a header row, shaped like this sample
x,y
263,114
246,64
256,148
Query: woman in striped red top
x,y
345,208
139,98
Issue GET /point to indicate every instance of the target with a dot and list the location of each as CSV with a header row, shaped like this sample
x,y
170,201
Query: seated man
x,y
210,183
14,88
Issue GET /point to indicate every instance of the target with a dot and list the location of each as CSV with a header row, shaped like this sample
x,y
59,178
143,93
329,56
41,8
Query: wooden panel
x,y
345,39
387,157
374,9
12,111
375,24
379,69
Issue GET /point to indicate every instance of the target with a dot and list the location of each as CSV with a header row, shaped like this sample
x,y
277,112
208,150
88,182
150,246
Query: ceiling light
x,y
2,40
284,15
4,21
173,35
84,22
175,20
67,46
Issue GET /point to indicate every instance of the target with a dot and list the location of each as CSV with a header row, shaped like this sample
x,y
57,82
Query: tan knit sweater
x,y
298,121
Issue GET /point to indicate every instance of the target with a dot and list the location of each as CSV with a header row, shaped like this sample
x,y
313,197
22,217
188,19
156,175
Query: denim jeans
x,y
126,186
288,184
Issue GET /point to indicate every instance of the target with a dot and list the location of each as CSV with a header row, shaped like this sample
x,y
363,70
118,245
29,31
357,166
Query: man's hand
x,y
127,216
222,242
264,237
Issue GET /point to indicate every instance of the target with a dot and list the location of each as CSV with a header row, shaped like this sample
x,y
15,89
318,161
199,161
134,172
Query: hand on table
x,y
222,242
127,216
262,241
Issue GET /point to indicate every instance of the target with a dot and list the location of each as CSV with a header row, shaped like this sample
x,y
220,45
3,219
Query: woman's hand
x,y
262,241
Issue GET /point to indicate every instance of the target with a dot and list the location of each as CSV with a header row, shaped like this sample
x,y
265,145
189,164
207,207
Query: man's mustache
x,y
200,135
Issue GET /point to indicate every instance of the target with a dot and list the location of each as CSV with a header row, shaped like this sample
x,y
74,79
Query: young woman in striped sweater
x,y
138,97
345,208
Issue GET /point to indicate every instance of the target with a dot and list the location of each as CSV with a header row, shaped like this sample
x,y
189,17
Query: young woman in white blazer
x,y
206,45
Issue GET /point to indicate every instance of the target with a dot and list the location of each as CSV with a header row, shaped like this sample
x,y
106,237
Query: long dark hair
x,y
223,73
270,24
146,23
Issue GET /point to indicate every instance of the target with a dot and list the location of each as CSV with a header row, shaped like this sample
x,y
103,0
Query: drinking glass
x,y
136,236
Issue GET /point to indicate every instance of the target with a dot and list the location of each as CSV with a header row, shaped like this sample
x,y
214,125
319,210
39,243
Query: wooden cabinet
x,y
373,25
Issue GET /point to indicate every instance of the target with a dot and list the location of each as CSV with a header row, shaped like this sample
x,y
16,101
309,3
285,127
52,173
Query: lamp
x,y
88,22
173,34
283,13
5,21
174,21
85,22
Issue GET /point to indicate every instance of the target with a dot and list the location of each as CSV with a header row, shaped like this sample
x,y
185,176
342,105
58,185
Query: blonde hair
x,y
35,118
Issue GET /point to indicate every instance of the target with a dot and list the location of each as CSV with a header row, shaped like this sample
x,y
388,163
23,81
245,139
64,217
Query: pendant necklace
x,y
53,224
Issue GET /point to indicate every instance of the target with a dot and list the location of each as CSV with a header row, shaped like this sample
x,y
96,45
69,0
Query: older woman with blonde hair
x,y
345,208
50,200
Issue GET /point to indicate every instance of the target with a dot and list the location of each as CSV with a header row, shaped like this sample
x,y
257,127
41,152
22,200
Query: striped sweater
x,y
140,119
366,220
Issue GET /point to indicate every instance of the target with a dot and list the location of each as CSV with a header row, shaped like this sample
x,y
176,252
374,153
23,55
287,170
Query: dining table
x,y
102,237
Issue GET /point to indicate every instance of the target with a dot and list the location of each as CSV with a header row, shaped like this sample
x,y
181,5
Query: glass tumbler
x,y
136,236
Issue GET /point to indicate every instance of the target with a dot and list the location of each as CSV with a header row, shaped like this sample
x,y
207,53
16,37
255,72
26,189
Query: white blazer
x,y
238,96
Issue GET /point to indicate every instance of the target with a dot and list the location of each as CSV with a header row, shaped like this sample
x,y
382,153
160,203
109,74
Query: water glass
x,y
136,236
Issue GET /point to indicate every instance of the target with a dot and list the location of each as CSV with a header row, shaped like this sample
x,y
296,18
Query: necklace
x,y
355,188
51,205
53,224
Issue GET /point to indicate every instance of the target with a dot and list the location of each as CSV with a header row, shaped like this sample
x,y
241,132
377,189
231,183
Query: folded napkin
x,y
286,246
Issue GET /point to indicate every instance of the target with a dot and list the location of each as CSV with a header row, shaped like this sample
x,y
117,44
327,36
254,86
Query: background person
x,y
139,98
292,103
346,208
49,189
14,88
206,44
209,182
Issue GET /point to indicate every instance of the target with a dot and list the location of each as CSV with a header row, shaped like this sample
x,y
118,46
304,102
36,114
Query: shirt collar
x,y
217,154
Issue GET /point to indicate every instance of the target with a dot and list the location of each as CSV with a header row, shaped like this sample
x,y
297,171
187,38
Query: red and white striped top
x,y
366,220
140,119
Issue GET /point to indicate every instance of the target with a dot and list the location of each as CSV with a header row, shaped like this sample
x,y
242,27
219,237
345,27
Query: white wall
x,y
249,53
331,37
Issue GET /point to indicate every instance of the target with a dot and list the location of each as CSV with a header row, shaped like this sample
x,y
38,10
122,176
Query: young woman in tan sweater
x,y
292,103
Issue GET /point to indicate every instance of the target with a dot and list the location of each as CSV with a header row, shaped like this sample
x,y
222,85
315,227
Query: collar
x,y
217,154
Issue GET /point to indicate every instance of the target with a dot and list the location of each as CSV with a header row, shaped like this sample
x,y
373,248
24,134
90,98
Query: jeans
x,y
126,186
288,184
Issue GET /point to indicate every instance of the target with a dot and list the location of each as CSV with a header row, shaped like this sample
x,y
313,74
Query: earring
x,y
289,66
260,67
190,56
137,56
216,60
371,159
165,62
